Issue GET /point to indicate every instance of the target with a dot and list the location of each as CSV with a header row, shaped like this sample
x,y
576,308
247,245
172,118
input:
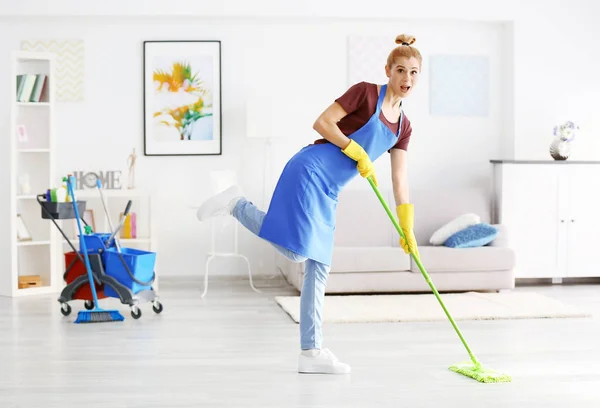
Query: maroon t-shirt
x,y
360,103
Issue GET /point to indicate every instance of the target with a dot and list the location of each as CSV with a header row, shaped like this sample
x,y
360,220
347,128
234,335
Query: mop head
x,y
99,316
479,373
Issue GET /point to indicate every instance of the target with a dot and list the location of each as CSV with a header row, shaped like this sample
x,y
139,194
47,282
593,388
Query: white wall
x,y
545,81
556,64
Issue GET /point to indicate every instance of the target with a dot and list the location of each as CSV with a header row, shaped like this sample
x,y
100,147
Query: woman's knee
x,y
319,270
291,255
297,258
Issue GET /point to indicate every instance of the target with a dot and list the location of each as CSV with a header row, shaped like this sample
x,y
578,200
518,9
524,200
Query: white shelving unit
x,y
34,157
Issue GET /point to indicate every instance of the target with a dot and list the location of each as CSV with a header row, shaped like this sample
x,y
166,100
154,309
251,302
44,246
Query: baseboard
x,y
548,281
192,280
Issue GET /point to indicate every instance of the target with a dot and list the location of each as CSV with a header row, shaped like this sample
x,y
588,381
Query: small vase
x,y
560,149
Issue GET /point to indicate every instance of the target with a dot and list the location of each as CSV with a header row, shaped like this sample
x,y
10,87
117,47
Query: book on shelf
x,y
129,229
31,87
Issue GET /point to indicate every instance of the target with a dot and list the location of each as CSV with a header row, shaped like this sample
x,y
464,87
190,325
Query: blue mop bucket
x,y
140,263
95,242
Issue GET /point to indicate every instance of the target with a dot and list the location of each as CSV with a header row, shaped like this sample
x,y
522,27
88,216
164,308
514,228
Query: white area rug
x,y
425,307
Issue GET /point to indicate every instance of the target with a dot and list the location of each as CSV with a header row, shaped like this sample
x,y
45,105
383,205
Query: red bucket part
x,y
78,269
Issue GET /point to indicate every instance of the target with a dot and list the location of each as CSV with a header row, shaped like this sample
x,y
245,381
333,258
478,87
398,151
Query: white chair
x,y
222,180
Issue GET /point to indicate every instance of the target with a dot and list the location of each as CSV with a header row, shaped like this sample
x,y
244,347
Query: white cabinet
x,y
582,190
552,214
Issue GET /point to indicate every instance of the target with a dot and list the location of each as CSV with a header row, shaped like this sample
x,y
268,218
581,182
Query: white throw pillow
x,y
459,223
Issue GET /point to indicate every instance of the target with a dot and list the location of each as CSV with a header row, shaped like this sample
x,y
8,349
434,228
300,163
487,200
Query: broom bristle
x,y
480,374
99,316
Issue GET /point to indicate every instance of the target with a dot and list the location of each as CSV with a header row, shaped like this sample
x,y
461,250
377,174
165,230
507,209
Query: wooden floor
x,y
237,348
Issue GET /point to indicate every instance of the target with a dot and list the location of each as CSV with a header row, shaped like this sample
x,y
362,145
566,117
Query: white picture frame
x,y
22,136
459,85
88,217
23,233
182,118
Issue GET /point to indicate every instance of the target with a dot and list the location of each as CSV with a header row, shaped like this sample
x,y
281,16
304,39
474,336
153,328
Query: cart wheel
x,y
89,304
65,309
157,307
136,312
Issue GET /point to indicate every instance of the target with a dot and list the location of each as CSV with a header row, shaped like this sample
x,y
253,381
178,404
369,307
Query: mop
x,y
114,232
110,224
472,369
96,315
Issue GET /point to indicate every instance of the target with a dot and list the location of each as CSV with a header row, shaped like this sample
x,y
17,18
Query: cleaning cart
x,y
123,273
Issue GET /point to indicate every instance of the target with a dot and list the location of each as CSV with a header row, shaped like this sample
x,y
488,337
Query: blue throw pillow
x,y
474,236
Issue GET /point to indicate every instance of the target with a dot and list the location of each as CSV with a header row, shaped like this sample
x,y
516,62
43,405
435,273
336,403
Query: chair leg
x,y
210,258
249,273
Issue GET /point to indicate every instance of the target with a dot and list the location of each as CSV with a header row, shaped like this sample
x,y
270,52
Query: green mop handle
x,y
423,271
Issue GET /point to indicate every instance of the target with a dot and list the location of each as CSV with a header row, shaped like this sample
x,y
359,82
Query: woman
x,y
357,128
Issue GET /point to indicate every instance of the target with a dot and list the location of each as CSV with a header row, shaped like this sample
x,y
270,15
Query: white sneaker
x,y
220,204
321,362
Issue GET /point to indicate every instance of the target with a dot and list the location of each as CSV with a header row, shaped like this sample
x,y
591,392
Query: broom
x,y
95,315
472,369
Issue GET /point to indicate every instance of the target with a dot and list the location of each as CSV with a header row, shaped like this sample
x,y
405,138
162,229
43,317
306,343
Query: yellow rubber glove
x,y
406,218
364,164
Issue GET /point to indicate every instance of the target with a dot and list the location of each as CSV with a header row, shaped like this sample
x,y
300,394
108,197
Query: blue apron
x,y
301,216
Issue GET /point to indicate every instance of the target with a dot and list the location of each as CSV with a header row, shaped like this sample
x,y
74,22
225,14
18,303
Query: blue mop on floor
x,y
95,315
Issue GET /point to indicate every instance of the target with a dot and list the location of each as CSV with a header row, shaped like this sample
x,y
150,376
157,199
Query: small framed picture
x,y
23,233
22,134
88,217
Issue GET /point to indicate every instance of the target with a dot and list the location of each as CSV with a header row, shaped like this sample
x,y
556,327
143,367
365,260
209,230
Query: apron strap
x,y
380,103
400,122
380,99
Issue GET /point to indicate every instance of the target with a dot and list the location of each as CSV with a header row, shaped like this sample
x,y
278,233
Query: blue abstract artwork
x,y
460,85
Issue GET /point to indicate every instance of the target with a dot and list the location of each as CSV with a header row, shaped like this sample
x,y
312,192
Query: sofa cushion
x,y
459,223
444,259
473,236
369,259
438,206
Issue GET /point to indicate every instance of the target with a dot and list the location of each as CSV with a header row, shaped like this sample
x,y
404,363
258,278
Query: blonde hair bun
x,y
405,39
404,50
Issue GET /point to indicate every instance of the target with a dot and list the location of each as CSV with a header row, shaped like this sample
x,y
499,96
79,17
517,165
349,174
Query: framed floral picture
x,y
182,98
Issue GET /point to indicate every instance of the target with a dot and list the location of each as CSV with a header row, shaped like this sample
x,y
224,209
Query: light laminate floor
x,y
237,348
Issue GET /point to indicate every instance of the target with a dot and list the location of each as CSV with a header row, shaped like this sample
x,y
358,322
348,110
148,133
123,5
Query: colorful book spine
x,y
31,87
133,226
129,229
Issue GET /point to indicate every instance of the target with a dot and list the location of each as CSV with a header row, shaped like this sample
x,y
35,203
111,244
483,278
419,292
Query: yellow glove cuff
x,y
406,215
354,151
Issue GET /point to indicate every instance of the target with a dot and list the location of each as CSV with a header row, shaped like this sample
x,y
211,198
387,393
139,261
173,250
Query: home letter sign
x,y
111,180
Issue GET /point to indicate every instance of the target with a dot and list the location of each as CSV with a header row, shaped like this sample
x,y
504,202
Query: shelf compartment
x,y
34,170
37,128
35,260
38,228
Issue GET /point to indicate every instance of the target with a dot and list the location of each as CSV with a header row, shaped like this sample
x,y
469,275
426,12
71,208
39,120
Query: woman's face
x,y
403,75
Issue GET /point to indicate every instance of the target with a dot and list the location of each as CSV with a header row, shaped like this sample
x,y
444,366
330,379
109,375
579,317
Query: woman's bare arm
x,y
326,125
400,176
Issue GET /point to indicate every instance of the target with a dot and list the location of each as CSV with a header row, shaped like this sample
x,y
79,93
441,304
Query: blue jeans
x,y
312,295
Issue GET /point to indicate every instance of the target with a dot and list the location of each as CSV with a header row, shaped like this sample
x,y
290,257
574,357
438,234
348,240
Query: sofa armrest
x,y
502,238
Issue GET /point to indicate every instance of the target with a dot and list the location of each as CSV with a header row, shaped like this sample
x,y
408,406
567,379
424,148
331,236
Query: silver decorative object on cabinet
x,y
560,148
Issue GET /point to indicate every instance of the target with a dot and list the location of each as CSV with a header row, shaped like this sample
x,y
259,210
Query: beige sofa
x,y
367,257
